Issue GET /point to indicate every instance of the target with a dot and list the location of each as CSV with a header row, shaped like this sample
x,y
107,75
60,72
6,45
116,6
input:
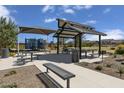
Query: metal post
x,y
102,56
68,83
25,43
92,53
18,42
58,44
99,45
47,39
31,56
75,42
85,53
80,45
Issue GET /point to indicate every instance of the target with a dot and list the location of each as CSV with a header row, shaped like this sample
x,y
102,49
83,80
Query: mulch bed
x,y
22,77
106,68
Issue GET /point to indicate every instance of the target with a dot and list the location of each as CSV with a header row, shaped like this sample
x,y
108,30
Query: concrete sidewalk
x,y
8,63
85,78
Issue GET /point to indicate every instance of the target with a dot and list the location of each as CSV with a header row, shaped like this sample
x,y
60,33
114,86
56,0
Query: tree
x,y
8,32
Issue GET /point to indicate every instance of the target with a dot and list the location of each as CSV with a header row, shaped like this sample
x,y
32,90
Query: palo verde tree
x,y
8,32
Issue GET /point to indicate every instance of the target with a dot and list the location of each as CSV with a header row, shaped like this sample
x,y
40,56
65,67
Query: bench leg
x,y
68,83
47,70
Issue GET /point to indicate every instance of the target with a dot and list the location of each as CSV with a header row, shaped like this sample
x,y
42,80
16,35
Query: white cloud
x,y
64,18
114,34
91,22
106,10
111,34
49,20
4,11
72,9
48,8
88,6
79,7
69,11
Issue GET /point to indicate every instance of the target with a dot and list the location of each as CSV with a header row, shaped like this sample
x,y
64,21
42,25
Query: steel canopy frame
x,y
33,30
69,29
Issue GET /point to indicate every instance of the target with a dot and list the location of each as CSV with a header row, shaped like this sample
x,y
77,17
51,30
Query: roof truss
x,y
70,28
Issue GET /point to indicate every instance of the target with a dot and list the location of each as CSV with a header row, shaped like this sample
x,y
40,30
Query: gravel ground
x,y
111,70
23,77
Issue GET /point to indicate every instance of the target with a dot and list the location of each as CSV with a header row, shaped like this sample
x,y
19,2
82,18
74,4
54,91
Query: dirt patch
x,y
23,77
109,66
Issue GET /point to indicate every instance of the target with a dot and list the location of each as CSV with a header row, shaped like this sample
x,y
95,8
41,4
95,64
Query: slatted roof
x,y
71,29
35,30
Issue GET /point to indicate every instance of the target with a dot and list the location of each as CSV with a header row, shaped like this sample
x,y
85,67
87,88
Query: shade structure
x,y
34,30
69,29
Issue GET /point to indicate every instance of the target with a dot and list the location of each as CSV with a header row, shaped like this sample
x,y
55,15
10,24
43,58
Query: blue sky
x,y
107,19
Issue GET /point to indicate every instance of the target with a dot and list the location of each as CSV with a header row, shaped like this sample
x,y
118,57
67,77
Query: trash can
x,y
4,53
75,56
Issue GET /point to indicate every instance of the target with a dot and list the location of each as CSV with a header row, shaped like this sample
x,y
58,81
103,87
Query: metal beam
x,y
87,31
62,28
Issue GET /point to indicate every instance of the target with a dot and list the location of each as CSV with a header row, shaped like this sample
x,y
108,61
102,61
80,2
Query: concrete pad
x,y
85,78
7,63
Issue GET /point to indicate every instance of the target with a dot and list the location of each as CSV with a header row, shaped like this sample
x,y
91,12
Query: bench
x,y
48,81
65,75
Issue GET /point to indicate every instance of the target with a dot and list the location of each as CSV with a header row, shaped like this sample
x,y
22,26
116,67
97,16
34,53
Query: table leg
x,y
86,54
92,53
68,83
37,57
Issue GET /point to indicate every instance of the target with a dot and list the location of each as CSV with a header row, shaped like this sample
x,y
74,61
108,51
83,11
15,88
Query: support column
x,y
58,44
25,43
75,42
80,41
63,43
99,45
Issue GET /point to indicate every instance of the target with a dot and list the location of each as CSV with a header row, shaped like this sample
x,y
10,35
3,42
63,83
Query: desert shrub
x,y
14,85
99,67
109,65
114,55
84,63
10,73
112,48
12,54
121,70
120,50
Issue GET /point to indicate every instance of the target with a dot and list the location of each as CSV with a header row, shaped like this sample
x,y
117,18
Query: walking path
x,y
85,78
